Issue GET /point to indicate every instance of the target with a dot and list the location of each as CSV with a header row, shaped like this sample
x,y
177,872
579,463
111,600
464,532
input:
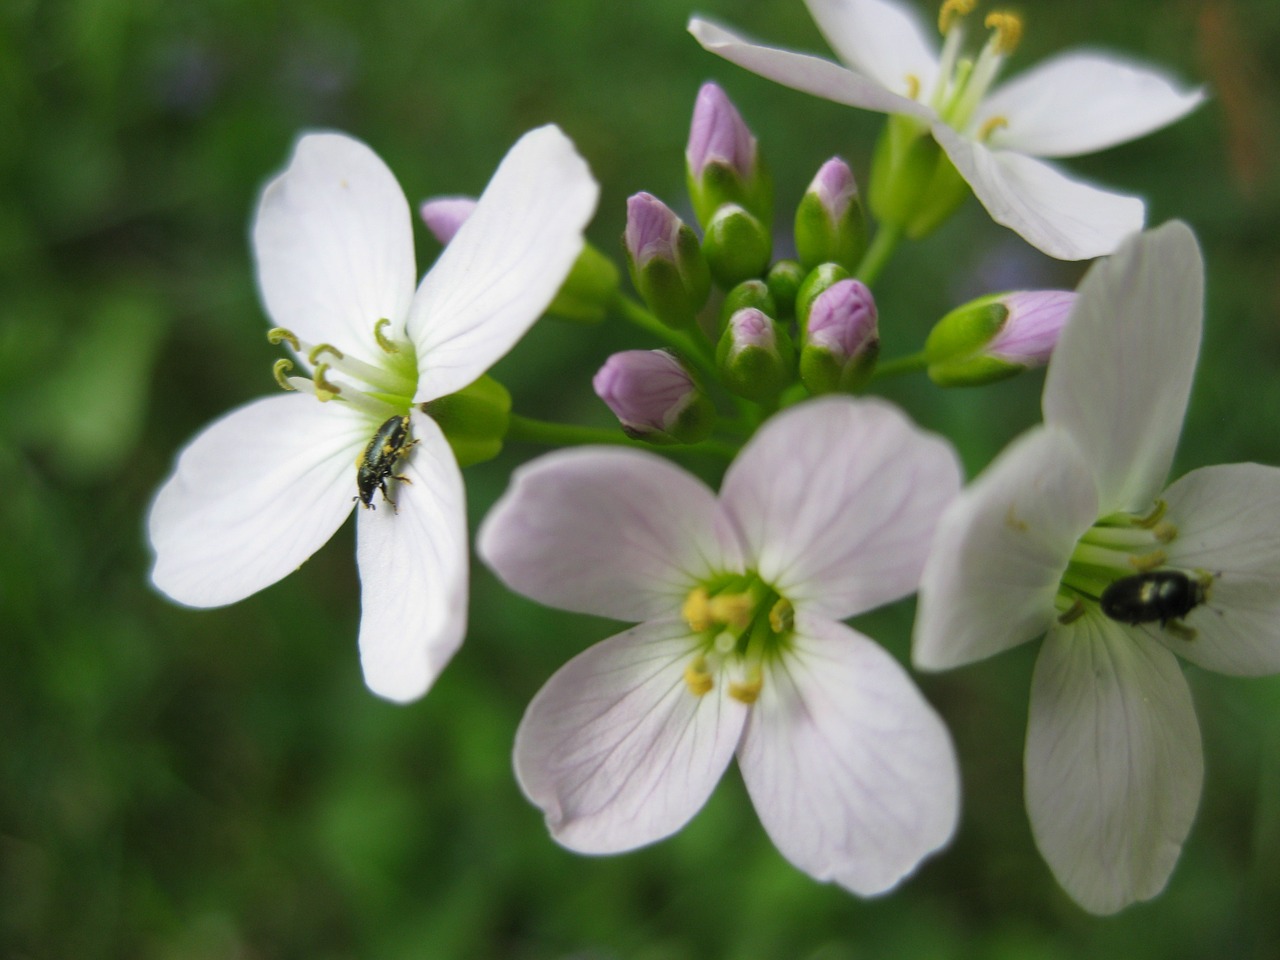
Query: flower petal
x,y
334,245
252,496
837,500
1121,373
1066,218
879,39
1228,522
413,571
1113,762
803,72
852,772
617,750
1000,552
615,533
504,265
1080,103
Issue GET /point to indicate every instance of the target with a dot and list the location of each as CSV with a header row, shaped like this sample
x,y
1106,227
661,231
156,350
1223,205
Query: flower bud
x,y
737,246
784,281
722,160
587,291
755,358
474,420
996,336
666,261
749,293
830,223
654,397
842,339
818,280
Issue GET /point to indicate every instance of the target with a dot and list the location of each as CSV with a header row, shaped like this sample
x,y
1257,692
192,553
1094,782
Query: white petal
x,y
616,533
1001,550
1121,373
413,571
852,772
837,500
1113,762
334,245
1079,103
252,496
504,265
1228,522
879,39
616,749
805,73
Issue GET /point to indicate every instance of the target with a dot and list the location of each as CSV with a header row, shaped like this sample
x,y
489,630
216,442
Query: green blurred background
x,y
219,784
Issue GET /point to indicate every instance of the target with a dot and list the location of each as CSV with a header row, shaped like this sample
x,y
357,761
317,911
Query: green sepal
x,y
756,373
588,290
693,425
822,372
914,185
819,239
721,184
737,246
474,419
954,347
784,279
818,279
674,291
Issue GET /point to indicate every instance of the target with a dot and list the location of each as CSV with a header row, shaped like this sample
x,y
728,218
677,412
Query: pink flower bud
x,y
654,397
445,215
749,327
1031,331
843,320
835,188
652,230
718,134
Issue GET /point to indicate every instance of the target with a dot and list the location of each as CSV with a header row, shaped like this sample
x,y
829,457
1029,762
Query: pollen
x,y
782,618
697,678
1008,30
697,610
279,335
990,126
732,609
386,345
324,389
953,10
747,691
279,369
1165,532
913,87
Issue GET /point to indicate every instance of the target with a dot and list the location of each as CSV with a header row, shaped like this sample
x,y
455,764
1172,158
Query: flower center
x,y
740,621
1120,566
963,81
382,391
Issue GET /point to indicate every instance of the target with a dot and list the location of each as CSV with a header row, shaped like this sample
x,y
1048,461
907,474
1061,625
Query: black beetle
x,y
1160,595
376,465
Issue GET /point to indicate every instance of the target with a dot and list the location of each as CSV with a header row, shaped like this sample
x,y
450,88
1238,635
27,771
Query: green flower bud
x,y
474,419
830,223
819,279
996,336
842,339
666,262
737,246
755,358
784,281
749,293
722,160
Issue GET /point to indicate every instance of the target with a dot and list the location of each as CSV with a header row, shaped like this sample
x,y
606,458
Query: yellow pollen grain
x,y
782,617
748,691
1008,28
696,610
324,389
1145,562
320,350
953,10
990,126
697,679
1165,532
279,335
731,609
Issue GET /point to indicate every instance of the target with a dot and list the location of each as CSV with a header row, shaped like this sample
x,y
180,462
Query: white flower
x,y
826,513
1071,105
1113,760
258,491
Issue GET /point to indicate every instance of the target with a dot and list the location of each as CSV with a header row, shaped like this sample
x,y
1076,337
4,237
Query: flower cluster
x,y
831,503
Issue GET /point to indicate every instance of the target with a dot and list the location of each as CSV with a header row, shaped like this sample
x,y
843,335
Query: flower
x,y
994,135
258,491
1068,533
826,513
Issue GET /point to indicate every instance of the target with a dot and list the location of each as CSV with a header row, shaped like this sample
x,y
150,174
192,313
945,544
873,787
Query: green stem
x,y
900,365
882,246
691,347
549,433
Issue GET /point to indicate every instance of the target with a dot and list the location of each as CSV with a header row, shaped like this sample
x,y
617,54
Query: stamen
x,y
279,369
1146,562
913,87
1165,532
782,618
1072,613
697,678
747,691
953,10
1008,30
1154,517
724,643
387,345
279,335
731,609
990,126
321,349
325,390
696,610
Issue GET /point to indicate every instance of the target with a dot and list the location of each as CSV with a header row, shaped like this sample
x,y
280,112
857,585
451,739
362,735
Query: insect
x,y
374,467
1160,595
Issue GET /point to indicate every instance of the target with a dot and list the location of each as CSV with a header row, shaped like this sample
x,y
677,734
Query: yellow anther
x,y
1165,532
320,350
279,369
1008,29
1145,562
953,10
913,87
279,335
782,618
697,610
697,678
990,126
1154,517
1072,613
731,609
746,691
324,389
387,345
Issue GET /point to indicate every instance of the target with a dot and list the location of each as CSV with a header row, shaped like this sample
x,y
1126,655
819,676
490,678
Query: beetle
x,y
376,464
1155,596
